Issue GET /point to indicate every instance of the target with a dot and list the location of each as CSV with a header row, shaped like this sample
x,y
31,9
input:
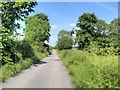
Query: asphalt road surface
x,y
49,73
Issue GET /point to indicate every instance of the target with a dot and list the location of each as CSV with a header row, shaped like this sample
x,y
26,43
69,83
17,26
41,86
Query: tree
x,y
37,30
114,34
102,34
65,40
12,11
86,23
107,34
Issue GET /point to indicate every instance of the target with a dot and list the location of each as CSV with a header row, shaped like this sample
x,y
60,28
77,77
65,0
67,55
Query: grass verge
x,y
13,69
91,71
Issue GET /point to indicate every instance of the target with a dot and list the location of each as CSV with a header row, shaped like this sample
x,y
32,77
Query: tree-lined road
x,y
49,73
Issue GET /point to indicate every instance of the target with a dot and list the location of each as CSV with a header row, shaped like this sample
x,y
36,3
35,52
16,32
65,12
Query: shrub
x,y
91,71
9,70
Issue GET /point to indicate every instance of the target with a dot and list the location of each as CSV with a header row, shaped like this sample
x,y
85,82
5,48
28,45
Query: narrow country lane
x,y
50,73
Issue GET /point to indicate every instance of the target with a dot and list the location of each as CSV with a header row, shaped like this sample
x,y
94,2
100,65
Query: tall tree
x,y
86,23
38,29
102,34
65,40
12,11
115,32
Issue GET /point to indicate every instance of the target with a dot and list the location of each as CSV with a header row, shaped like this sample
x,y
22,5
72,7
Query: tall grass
x,y
91,71
12,69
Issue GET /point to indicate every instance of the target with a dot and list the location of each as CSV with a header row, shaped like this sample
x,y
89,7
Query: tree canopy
x,y
38,32
65,40
96,33
11,12
86,23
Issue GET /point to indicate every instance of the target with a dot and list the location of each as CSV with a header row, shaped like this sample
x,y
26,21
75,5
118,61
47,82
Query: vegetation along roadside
x,y
19,54
90,52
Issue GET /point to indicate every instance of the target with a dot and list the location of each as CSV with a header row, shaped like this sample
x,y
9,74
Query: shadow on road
x,y
40,63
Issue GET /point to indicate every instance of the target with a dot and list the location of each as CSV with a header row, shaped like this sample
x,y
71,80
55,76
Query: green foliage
x,y
18,55
11,48
86,23
96,49
13,11
38,32
9,70
65,40
115,32
24,47
97,36
91,71
8,46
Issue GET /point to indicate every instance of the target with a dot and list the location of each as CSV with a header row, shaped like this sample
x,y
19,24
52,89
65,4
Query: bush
x,y
95,49
9,70
91,71
25,49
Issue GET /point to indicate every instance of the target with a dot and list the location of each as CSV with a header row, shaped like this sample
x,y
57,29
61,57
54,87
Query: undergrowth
x,y
91,71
